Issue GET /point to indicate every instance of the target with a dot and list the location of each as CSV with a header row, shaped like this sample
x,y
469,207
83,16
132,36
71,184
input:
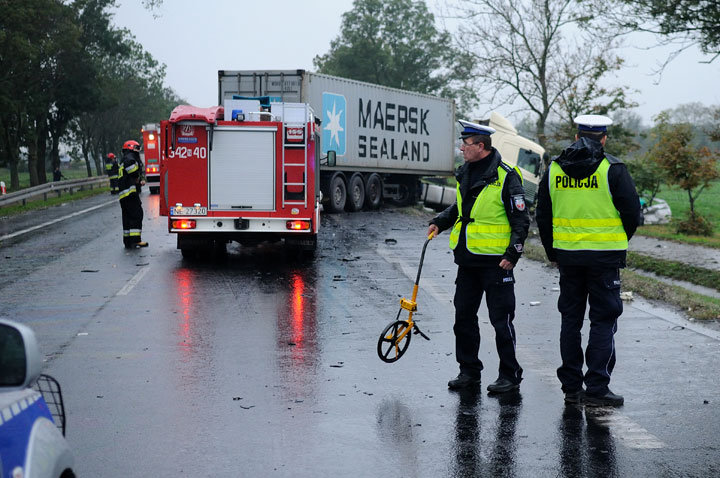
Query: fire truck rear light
x,y
298,225
184,224
152,169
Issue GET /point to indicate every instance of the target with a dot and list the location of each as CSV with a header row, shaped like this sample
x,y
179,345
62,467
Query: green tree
x,y
32,35
688,167
544,55
647,175
396,43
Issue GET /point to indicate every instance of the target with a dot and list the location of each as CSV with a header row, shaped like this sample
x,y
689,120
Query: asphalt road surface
x,y
262,364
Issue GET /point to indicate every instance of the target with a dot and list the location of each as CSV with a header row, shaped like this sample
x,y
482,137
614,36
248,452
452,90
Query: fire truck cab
x,y
247,175
151,156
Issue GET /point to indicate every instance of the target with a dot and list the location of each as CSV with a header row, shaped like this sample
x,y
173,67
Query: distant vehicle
x,y
385,139
515,150
32,420
151,156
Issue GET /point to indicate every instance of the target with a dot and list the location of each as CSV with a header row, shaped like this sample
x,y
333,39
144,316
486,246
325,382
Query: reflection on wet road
x,y
260,364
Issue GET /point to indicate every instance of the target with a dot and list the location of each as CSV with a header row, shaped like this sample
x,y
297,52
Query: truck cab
x,y
518,151
515,150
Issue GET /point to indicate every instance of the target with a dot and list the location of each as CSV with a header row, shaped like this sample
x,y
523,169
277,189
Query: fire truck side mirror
x,y
331,158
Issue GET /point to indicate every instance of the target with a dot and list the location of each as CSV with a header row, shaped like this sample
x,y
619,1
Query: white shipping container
x,y
370,127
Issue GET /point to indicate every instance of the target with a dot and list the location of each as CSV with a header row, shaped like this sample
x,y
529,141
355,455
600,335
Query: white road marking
x,y
45,224
134,281
426,284
627,431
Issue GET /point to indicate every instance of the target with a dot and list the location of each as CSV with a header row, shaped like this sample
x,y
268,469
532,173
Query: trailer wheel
x,y
189,253
408,192
338,193
356,193
154,189
373,191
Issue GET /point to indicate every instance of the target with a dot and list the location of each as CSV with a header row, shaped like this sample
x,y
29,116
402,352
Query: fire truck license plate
x,y
188,211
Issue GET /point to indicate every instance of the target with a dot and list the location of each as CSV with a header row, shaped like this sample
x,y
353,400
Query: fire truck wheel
x,y
338,193
356,193
373,191
154,190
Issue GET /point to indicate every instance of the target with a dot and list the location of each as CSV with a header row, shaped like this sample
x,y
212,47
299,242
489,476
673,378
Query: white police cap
x,y
593,122
471,129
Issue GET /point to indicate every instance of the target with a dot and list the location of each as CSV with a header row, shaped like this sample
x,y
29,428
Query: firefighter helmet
x,y
131,145
111,156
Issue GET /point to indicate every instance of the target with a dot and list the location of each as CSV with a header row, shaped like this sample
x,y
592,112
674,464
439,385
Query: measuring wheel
x,y
394,341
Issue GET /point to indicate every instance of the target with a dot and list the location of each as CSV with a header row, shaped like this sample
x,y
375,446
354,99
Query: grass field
x,y
73,171
707,205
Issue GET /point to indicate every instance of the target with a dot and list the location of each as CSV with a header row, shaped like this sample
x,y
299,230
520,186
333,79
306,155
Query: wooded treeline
x,y
68,76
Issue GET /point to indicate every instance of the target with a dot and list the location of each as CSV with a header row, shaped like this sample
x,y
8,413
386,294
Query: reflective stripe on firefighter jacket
x,y
488,229
126,179
584,216
111,169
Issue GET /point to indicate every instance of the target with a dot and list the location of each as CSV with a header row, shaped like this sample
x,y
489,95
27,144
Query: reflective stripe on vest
x,y
131,189
584,217
489,232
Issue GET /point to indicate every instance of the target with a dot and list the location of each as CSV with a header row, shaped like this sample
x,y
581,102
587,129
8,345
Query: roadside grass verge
x,y
51,201
675,270
667,231
691,303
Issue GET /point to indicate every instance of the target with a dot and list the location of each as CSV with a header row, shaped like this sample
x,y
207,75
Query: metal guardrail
x,y
56,187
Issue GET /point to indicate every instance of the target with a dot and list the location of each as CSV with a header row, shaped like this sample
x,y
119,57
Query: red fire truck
x,y
247,175
151,159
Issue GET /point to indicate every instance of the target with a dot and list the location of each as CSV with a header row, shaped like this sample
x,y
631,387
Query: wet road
x,y
264,365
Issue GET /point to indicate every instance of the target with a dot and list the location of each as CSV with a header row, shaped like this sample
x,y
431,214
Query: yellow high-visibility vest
x,y
584,217
489,231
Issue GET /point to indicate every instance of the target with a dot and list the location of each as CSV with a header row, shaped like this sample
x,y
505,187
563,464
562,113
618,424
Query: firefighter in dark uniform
x,y
112,169
588,209
129,176
489,223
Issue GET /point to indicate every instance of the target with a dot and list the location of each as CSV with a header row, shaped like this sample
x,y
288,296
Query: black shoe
x,y
463,381
502,385
607,400
575,397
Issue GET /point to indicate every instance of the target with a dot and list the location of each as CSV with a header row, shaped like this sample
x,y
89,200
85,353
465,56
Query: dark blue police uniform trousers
x,y
497,284
600,286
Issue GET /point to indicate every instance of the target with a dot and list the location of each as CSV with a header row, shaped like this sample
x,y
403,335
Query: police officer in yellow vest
x,y
588,209
489,222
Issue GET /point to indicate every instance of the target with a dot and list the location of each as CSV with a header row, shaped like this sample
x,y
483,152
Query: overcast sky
x,y
195,39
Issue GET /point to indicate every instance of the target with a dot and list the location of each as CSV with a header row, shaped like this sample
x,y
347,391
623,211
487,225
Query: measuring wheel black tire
x,y
388,348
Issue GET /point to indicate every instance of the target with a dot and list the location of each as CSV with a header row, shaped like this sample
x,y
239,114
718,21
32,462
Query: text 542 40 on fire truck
x,y
246,175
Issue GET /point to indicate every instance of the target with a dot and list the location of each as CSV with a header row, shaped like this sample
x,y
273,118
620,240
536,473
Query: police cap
x,y
598,123
472,129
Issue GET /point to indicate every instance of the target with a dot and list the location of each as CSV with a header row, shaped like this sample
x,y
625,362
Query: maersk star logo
x,y
334,118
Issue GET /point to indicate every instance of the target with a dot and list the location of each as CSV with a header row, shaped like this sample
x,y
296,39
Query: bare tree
x,y
542,55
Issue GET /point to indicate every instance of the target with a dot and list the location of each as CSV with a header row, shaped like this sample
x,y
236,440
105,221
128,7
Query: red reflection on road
x,y
184,281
